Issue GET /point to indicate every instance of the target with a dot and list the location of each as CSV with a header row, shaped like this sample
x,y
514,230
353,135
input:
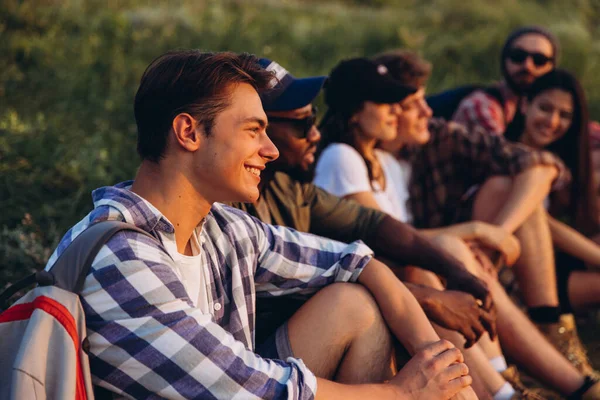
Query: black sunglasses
x,y
518,56
302,125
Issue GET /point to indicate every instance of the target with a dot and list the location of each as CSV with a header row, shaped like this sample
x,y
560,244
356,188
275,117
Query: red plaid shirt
x,y
455,160
480,109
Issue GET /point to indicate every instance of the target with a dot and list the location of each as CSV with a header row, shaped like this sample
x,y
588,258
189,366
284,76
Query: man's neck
x,y
507,91
175,197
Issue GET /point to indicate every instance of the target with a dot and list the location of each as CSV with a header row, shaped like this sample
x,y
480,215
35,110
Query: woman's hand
x,y
497,238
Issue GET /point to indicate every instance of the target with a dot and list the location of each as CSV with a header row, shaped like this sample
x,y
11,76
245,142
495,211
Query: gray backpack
x,y
43,346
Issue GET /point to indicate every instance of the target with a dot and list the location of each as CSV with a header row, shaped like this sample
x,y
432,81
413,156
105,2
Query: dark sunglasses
x,y
302,125
518,56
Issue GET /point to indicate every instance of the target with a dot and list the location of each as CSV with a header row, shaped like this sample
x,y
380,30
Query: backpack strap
x,y
71,268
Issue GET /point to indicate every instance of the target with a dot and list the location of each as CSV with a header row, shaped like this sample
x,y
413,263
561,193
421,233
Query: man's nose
x,y
268,149
313,135
425,109
528,64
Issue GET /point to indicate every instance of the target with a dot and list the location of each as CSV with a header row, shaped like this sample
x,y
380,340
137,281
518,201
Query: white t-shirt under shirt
x,y
190,269
342,171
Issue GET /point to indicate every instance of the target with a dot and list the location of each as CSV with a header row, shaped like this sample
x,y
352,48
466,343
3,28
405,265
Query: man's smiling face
x,y
296,141
234,154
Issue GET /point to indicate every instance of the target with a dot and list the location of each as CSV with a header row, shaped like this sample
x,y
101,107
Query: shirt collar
x,y
135,209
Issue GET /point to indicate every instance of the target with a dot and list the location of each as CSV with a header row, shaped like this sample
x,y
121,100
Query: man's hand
x,y
459,311
435,372
498,239
464,281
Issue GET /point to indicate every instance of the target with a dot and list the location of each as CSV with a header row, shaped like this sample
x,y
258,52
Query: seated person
x,y
528,53
173,317
288,198
554,117
353,127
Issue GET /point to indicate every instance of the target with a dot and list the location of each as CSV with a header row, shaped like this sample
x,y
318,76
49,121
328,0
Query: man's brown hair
x,y
405,66
189,81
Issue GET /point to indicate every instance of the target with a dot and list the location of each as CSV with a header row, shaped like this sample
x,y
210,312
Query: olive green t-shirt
x,y
307,208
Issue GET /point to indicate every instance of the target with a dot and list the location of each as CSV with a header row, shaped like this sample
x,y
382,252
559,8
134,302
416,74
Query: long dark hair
x,y
573,148
335,127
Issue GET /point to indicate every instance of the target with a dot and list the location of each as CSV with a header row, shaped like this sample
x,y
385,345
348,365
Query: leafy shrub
x,y
69,71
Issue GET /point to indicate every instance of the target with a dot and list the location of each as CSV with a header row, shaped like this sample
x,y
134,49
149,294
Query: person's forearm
x,y
332,391
529,189
574,243
404,245
465,231
423,294
401,311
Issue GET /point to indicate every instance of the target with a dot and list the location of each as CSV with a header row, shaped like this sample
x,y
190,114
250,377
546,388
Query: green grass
x,y
69,70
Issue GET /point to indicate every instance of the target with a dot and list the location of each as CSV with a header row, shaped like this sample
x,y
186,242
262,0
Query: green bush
x,y
69,71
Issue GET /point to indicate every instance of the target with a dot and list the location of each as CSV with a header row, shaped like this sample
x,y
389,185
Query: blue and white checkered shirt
x,y
147,340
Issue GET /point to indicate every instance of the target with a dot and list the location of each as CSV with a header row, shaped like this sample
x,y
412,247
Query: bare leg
x,y
584,290
520,339
486,380
340,335
535,269
460,250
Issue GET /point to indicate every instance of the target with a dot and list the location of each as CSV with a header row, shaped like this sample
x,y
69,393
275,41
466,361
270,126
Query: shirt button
x,y
217,306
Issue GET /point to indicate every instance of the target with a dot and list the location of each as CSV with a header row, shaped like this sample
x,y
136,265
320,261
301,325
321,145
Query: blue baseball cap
x,y
287,92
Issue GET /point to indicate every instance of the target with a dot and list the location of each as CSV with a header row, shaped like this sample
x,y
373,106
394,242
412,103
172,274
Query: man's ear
x,y
187,131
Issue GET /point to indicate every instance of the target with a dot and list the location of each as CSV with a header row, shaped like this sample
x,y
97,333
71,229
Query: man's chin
x,y
303,175
250,196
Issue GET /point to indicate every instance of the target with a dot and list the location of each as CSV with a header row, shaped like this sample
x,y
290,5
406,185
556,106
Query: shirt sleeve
x,y
340,219
292,262
480,110
341,171
147,340
489,155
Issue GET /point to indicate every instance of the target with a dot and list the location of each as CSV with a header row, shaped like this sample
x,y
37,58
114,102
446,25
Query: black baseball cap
x,y
357,80
287,92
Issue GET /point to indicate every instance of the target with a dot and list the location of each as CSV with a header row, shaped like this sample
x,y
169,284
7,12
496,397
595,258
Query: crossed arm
x,y
529,189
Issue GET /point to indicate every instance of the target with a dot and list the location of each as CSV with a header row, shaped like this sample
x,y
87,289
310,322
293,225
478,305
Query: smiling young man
x,y
528,53
446,160
173,316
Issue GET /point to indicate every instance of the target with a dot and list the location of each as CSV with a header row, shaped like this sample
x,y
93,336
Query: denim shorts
x,y
277,346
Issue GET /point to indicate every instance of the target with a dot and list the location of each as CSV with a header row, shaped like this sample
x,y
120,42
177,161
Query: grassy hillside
x,y
69,70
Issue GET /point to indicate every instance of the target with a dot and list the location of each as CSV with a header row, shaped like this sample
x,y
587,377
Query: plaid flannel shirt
x,y
484,111
146,338
456,160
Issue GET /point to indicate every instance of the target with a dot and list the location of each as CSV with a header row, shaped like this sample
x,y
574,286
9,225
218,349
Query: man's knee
x,y
459,249
454,245
353,303
423,277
